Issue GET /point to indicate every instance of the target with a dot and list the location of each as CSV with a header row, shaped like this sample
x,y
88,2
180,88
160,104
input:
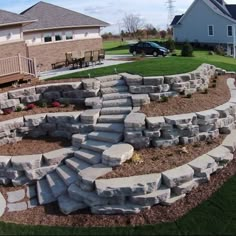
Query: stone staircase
x,y
86,165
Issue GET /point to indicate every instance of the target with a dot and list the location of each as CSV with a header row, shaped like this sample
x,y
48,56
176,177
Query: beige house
x,y
46,32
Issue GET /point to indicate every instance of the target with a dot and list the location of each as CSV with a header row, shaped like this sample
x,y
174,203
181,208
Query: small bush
x,y
30,106
189,95
18,109
219,50
205,91
164,99
7,111
213,85
66,103
187,50
170,44
42,103
56,104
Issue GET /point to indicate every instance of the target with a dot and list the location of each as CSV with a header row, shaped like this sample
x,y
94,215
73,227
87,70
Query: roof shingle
x,y
50,16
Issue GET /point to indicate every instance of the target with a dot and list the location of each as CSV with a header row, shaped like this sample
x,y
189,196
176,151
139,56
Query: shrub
x,y
18,109
42,103
189,95
7,111
30,106
56,104
205,91
170,44
219,50
213,85
66,103
187,50
164,99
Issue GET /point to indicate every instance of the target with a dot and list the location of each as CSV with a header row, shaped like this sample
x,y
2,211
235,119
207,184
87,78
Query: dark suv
x,y
148,48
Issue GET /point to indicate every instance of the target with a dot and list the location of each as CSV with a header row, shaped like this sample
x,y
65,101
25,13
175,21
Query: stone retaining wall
x,y
132,194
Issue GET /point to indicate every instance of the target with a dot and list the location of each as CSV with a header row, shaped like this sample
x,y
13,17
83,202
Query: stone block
x,y
39,173
230,141
220,153
152,134
4,161
31,191
91,84
57,156
3,96
94,102
31,98
178,176
140,99
15,207
26,162
155,122
128,186
135,120
16,196
132,79
4,181
90,116
32,203
159,96
171,79
9,103
227,129
52,96
208,115
63,117
153,80
14,174
139,143
189,118
185,187
142,89
35,120
189,140
164,143
3,205
181,86
19,93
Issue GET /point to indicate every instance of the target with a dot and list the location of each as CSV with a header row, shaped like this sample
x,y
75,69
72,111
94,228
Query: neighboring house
x,y
46,32
208,22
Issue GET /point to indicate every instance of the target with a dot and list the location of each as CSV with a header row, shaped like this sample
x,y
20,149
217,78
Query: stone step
x,y
112,118
76,164
106,136
89,175
68,175
113,96
109,127
45,195
113,83
125,102
89,156
58,187
116,110
116,89
96,146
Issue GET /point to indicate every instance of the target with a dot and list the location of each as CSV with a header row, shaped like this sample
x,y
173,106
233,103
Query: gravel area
x,y
34,146
198,102
50,214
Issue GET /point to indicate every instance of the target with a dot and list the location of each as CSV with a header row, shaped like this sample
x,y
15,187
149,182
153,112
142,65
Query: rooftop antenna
x,y
171,11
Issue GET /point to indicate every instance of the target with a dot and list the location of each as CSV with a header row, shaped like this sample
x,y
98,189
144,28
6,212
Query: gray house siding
x,y
194,26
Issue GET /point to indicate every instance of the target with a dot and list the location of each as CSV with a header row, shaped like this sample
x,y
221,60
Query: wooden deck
x,y
15,77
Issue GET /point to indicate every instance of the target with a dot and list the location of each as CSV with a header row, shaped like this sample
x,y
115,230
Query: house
x,y
208,22
46,32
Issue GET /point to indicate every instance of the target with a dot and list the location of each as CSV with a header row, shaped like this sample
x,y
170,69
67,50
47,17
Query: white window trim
x,y
228,31
213,31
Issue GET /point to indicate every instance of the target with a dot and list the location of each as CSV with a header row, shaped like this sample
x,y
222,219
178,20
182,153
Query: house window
x,y
69,35
230,30
210,30
58,36
47,38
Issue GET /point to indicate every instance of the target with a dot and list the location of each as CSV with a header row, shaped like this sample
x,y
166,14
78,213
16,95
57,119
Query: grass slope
x,y
215,216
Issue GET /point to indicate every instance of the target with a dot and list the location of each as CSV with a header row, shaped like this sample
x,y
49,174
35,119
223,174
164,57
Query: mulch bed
x,y
198,102
50,214
29,146
40,110
156,160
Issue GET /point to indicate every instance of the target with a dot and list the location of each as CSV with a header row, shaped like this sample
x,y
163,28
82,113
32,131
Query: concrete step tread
x,y
112,118
89,156
116,110
109,127
115,89
96,146
68,175
106,136
76,164
113,96
124,102
56,184
45,195
118,82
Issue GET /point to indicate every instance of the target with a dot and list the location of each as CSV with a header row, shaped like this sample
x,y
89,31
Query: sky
x,y
153,12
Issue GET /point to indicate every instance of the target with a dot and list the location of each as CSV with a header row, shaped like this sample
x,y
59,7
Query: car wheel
x,y
155,54
134,53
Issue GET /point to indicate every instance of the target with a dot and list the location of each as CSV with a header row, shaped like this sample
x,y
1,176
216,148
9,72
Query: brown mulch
x,y
9,87
156,160
50,214
198,102
29,146
40,110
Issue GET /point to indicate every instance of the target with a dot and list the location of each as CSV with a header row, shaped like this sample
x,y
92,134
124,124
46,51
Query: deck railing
x,y
18,64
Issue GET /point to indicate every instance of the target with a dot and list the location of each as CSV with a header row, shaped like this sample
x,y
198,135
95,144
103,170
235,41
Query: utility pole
x,y
171,10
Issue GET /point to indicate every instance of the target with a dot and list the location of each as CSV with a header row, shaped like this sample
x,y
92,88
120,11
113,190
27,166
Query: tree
x,y
163,34
132,23
150,30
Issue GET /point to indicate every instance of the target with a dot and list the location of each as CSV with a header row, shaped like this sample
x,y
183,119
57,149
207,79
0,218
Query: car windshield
x,y
155,45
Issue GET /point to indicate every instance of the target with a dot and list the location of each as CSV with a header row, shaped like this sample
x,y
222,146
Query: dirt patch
x,y
155,160
198,102
40,110
50,214
29,146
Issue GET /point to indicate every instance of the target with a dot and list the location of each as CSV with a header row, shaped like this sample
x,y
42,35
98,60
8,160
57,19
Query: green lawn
x,y
216,216
159,66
